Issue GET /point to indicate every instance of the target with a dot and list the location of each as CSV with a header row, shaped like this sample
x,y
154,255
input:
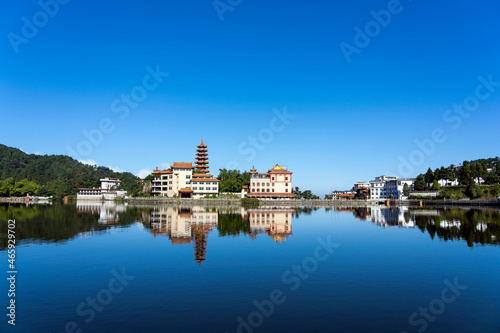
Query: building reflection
x,y
192,225
186,225
476,226
275,222
108,211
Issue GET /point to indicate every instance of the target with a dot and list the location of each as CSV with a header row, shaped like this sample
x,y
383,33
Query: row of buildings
x,y
383,187
188,180
185,180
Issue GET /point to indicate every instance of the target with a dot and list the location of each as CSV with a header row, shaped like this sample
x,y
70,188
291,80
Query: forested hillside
x,y
56,175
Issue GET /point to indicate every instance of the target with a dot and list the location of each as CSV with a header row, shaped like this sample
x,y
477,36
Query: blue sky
x,y
227,79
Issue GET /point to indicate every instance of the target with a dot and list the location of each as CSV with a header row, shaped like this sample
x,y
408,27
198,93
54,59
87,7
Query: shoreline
x,y
292,203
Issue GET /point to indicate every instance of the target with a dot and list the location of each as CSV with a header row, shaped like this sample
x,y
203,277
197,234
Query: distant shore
x,y
297,203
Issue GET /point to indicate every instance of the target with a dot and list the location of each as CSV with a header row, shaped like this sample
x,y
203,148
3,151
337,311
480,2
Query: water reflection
x,y
476,226
193,225
185,225
108,211
275,222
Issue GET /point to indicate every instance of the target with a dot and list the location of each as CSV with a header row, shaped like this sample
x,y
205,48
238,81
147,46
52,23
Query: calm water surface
x,y
101,268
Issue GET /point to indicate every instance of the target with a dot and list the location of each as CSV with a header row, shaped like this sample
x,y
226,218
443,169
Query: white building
x,y
108,184
386,187
105,192
180,181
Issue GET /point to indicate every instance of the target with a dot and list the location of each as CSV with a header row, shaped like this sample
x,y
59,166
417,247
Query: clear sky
x,y
337,91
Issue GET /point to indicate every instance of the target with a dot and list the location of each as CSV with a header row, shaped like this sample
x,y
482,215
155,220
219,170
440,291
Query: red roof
x,y
182,165
185,190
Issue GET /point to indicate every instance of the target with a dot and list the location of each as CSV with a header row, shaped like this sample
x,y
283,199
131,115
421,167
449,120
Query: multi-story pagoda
x,y
201,158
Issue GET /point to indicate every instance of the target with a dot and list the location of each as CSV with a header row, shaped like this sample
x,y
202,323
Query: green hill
x,y
56,175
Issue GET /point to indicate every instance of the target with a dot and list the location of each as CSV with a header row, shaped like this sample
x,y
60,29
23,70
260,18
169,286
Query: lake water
x,y
107,268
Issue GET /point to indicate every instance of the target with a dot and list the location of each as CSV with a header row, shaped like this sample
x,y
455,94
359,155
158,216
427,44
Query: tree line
x,y
468,176
52,175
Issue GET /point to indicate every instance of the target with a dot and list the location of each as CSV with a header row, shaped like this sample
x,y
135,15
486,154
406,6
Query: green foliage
x,y
232,180
307,194
406,189
435,185
250,202
420,184
452,193
429,176
474,191
56,175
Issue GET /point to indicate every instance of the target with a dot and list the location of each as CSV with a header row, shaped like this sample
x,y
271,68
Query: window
x,y
165,177
202,188
286,190
195,188
188,182
170,188
170,182
273,190
258,184
286,178
258,190
164,189
267,190
164,183
188,177
214,188
214,183
273,184
267,185
286,184
195,183
272,179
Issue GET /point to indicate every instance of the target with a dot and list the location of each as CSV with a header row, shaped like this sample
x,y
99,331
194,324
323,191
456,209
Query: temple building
x,y
184,180
275,184
202,158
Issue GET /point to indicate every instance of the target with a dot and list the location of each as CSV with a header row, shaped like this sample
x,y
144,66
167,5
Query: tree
x,y
437,174
436,186
465,175
6,187
298,193
420,184
429,177
473,190
406,189
232,180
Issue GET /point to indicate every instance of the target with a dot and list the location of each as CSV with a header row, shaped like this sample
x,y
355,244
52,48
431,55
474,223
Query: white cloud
x,y
143,173
88,162
116,169
165,166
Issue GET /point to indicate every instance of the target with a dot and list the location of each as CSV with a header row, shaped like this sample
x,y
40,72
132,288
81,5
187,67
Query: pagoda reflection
x,y
185,225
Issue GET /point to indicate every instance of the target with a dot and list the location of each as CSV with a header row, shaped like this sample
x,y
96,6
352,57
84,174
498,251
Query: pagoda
x,y
201,158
